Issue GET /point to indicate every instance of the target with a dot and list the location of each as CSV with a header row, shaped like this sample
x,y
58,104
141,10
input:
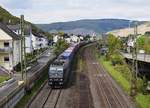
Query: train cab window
x,y
52,71
60,71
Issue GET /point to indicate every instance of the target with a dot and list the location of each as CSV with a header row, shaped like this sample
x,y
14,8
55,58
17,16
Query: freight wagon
x,y
59,70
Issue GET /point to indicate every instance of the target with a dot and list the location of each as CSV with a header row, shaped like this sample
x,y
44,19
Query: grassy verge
x,y
4,78
22,103
125,84
143,101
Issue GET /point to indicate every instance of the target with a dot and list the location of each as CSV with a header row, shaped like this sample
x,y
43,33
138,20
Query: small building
x,y
68,40
56,38
75,38
81,38
10,45
39,41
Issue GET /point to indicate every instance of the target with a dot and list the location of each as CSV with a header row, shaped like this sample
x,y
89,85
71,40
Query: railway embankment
x,y
27,98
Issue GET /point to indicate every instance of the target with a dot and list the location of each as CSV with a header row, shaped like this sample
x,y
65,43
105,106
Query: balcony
x,y
6,50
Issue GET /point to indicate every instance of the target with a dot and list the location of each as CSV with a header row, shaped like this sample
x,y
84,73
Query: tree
x,y
141,42
49,36
62,34
147,45
144,43
60,46
114,44
87,37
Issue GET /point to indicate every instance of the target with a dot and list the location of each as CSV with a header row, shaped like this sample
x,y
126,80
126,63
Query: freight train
x,y
59,70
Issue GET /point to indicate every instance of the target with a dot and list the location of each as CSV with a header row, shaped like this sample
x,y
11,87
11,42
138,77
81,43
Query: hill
x,y
127,31
87,26
7,18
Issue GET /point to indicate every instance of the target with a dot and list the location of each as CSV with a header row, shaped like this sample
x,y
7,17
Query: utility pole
x,y
24,53
136,44
23,50
22,45
134,64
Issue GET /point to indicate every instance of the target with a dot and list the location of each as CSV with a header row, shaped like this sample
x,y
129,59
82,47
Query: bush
x,y
124,70
60,46
116,59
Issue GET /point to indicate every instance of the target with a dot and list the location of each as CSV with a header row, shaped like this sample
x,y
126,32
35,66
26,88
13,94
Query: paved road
x,y
140,57
43,59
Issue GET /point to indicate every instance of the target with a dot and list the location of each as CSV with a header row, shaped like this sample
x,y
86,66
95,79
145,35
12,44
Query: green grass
x,y
22,103
143,101
4,78
125,84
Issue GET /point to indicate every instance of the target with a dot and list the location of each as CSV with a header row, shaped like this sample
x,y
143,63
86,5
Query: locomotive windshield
x,y
55,71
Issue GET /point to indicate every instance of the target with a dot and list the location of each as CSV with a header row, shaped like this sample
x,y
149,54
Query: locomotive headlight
x,y
50,83
60,83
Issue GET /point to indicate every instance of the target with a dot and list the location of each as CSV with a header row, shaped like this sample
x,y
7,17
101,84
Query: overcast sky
x,y
48,11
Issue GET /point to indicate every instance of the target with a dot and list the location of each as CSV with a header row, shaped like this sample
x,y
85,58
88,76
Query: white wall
x,y
41,42
28,42
16,52
55,38
75,38
68,40
4,37
34,42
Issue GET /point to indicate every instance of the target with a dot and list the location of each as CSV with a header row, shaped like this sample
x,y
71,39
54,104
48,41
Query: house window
x,y
40,39
6,44
6,59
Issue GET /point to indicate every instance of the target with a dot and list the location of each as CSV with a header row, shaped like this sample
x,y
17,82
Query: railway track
x,y
52,99
46,98
110,96
107,93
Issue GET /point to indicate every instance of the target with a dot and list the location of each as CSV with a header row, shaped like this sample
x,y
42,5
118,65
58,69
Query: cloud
x,y
17,4
46,11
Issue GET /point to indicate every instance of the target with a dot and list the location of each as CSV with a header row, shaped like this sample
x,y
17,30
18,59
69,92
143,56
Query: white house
x,y
68,40
28,35
34,42
10,45
45,42
81,38
39,41
75,38
56,38
93,37
130,42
